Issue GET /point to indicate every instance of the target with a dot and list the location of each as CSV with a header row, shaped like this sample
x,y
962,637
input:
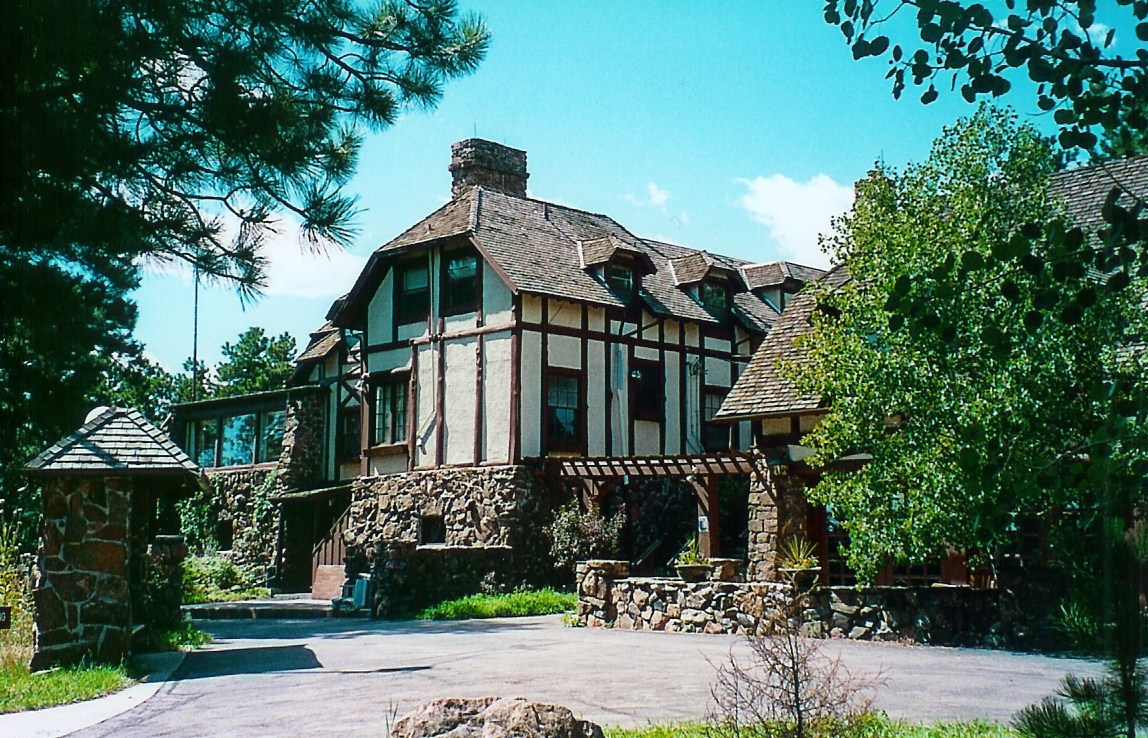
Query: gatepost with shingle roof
x,y
109,527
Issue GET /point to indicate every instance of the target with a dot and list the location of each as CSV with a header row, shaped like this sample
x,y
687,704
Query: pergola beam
x,y
731,463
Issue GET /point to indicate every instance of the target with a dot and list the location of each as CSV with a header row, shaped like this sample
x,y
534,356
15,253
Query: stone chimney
x,y
488,164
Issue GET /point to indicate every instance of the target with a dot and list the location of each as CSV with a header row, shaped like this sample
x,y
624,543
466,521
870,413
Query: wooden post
x,y
709,527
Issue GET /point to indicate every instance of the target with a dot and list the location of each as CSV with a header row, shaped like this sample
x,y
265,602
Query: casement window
x,y
389,410
622,281
647,391
714,297
565,418
715,436
238,446
204,441
460,291
349,442
272,426
412,291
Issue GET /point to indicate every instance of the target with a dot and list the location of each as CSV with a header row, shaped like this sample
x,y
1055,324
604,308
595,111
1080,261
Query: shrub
x,y
577,536
516,604
184,638
216,579
17,642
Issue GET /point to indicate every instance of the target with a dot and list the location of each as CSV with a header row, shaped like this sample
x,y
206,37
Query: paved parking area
x,y
350,678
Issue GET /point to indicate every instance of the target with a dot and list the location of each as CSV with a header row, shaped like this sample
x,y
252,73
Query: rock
x,y
859,633
492,717
840,607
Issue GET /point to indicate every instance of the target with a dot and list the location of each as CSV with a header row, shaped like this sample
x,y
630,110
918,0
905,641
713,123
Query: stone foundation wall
x,y
242,498
948,616
491,520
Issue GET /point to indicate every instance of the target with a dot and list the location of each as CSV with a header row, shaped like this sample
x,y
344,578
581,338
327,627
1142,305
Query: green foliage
x,y
513,605
15,643
1109,707
577,535
977,48
690,554
184,638
216,579
254,363
1002,410
798,552
21,690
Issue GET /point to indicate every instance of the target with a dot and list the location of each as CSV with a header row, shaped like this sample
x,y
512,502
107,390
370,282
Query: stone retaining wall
x,y
490,517
241,498
950,616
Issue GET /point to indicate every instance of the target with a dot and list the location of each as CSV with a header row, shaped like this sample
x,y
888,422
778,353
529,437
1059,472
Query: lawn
x,y
872,726
515,604
23,690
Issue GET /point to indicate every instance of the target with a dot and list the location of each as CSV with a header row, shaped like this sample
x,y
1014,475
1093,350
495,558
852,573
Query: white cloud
x,y
297,270
294,268
796,213
655,197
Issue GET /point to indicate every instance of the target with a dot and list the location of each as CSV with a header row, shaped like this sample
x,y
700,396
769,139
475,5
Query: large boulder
x,y
492,717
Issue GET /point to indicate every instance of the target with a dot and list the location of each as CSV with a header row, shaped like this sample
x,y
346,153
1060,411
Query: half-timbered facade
x,y
506,331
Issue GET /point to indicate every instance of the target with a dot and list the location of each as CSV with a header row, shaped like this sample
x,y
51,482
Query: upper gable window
x,y
714,297
460,282
412,291
622,281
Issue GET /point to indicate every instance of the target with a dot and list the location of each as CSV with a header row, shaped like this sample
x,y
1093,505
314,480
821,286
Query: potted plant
x,y
798,563
691,566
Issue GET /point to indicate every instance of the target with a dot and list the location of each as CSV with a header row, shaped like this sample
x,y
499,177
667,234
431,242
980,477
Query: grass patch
x,y
23,690
513,605
216,579
183,638
871,726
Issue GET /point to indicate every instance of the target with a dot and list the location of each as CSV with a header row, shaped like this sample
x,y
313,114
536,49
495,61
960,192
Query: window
x,y
647,391
412,292
203,441
564,422
432,530
238,447
714,297
715,437
390,412
622,282
350,441
272,424
460,282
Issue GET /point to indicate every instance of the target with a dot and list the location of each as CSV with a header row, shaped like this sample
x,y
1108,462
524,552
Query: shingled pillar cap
x,y
488,164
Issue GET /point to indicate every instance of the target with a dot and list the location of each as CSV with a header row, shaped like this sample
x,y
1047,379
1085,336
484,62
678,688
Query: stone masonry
x,y
776,511
82,589
490,524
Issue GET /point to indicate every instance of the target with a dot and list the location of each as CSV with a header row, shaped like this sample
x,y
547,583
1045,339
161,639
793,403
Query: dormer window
x,y
460,282
622,281
412,291
714,297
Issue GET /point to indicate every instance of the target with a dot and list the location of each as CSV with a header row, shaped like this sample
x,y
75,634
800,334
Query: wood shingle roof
x,y
544,248
116,441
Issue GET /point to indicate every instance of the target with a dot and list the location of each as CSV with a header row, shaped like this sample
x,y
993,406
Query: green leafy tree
x,y
1096,94
998,410
178,130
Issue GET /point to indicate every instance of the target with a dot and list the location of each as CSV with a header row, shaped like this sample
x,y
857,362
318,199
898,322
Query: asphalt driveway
x,y
350,678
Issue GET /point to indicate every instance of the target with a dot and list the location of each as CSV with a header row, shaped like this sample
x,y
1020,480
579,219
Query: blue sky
x,y
738,130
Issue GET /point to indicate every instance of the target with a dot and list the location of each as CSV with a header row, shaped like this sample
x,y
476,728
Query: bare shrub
x,y
787,687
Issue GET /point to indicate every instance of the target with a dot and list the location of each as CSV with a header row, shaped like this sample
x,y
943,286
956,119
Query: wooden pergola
x,y
701,472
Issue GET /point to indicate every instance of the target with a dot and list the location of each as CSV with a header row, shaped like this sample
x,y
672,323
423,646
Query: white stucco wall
x,y
496,373
459,401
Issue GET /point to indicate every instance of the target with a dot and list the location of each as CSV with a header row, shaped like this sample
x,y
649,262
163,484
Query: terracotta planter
x,y
694,572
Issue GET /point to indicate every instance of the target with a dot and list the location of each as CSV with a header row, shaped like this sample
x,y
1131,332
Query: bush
x,y
577,536
184,638
17,642
216,579
517,604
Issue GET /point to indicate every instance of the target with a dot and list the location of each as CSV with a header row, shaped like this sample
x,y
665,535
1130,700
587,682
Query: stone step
x,y
267,609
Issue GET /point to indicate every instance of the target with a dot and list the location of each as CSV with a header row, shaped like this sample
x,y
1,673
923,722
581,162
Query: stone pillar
x,y
301,460
595,585
776,511
82,592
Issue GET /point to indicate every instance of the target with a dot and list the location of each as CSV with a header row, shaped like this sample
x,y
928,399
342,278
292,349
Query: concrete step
x,y
275,608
